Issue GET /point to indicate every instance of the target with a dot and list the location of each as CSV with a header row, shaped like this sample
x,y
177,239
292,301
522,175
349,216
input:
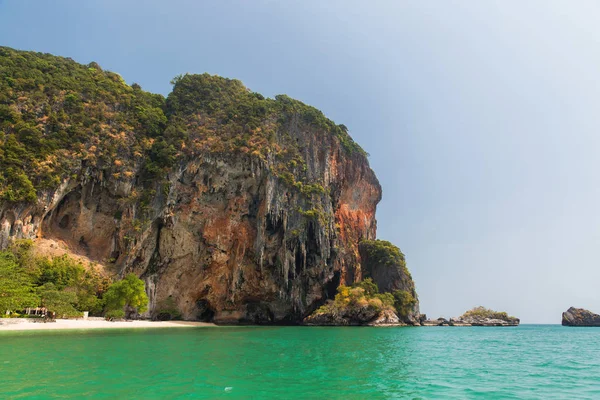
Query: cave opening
x,y
64,222
332,285
205,312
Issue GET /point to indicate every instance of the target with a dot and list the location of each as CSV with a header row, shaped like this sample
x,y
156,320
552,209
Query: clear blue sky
x,y
481,117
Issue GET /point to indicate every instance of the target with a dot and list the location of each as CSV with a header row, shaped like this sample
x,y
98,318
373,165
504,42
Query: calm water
x,y
538,362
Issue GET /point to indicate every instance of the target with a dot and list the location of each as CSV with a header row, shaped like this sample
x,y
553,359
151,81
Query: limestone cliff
x,y
232,207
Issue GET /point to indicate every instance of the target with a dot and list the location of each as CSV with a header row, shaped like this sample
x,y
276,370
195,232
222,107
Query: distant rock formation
x,y
385,296
478,316
483,321
580,317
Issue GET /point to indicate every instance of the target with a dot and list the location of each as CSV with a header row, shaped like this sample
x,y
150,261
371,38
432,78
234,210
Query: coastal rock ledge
x,y
580,317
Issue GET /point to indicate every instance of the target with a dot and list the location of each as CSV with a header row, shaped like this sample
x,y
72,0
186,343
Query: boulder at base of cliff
x,y
580,317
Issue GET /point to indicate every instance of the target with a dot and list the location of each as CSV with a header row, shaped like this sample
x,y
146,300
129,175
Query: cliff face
x,y
233,207
229,239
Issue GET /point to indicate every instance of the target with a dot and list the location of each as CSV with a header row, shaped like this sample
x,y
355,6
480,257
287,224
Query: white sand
x,y
96,324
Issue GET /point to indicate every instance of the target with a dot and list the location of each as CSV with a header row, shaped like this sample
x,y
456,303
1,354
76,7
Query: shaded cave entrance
x,y
205,312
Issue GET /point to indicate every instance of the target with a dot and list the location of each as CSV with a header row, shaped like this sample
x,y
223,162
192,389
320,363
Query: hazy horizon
x,y
480,119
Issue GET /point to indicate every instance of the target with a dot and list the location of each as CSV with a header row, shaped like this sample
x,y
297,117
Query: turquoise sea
x,y
526,362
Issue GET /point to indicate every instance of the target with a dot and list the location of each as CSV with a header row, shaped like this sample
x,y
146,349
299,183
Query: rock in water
x,y
580,317
482,321
478,316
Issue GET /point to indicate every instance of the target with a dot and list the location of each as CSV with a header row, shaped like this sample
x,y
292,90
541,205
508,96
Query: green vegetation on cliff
x,y
58,116
386,285
365,296
382,252
360,298
386,265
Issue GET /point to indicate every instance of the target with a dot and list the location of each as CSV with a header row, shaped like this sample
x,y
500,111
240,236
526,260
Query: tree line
x,y
64,286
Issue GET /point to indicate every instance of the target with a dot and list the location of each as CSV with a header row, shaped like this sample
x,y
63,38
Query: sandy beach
x,y
63,324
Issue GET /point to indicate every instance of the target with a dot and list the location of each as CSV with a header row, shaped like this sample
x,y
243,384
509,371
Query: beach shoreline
x,y
70,324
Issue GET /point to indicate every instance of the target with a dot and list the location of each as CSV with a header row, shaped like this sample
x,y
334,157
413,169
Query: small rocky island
x,y
580,317
478,316
385,297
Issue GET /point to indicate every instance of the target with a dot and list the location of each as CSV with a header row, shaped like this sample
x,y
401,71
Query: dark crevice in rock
x,y
205,312
332,285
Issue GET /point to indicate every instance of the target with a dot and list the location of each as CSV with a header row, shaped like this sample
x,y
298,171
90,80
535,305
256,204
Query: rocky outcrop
x,y
580,317
385,264
385,296
361,317
236,208
478,316
355,317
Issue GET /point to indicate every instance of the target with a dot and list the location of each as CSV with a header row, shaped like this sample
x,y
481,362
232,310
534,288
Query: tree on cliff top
x,y
128,294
